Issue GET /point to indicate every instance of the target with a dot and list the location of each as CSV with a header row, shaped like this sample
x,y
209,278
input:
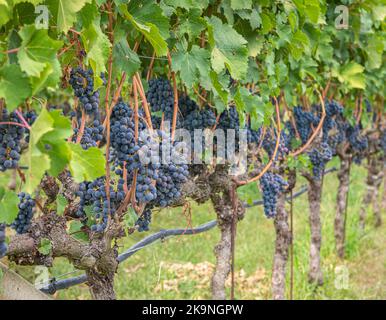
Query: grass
x,y
180,268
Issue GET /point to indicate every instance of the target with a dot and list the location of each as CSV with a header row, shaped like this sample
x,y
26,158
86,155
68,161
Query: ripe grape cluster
x,y
26,211
319,156
10,138
269,144
357,141
333,109
82,83
144,220
94,194
304,121
271,185
3,244
383,141
91,135
160,96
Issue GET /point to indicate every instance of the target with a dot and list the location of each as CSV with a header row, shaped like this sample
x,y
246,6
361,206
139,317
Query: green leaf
x,y
191,64
149,12
125,59
266,23
191,24
97,46
49,78
229,49
219,88
150,32
187,4
45,246
37,161
61,204
5,12
86,165
374,50
8,206
14,86
76,230
64,12
37,49
241,4
54,143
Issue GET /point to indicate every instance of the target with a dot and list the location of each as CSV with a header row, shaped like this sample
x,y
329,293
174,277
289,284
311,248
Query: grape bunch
x,y
333,109
358,142
144,220
26,212
30,116
269,144
82,83
304,121
93,193
160,96
271,185
91,135
3,244
10,138
319,157
200,119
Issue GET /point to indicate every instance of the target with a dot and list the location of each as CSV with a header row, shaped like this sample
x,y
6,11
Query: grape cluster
x,y
160,96
10,138
271,185
30,116
144,220
91,135
358,142
319,157
94,194
304,121
269,144
82,83
200,119
3,244
25,215
333,109
253,136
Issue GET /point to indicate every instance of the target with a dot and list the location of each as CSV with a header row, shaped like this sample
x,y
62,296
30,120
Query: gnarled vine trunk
x,y
315,274
101,285
341,203
224,205
283,241
374,172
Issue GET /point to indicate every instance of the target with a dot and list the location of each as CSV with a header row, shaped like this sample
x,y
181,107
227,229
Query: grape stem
x,y
175,92
269,164
18,113
315,133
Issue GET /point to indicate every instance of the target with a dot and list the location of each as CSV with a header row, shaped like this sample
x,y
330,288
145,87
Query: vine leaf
x,y
45,246
55,145
14,86
191,64
64,12
97,46
5,12
229,49
8,206
86,165
37,161
37,50
125,59
149,12
351,74
150,32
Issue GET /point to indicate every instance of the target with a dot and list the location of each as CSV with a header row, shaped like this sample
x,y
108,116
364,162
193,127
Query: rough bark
x,y
101,285
341,201
315,274
283,241
374,169
376,200
221,185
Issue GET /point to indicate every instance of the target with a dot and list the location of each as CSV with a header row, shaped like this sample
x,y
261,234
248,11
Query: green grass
x,y
173,269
